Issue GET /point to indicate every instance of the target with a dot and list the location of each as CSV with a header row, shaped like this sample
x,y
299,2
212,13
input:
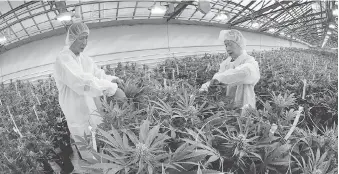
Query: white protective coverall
x,y
79,81
241,75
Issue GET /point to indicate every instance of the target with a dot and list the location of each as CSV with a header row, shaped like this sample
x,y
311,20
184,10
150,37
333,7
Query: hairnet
x,y
74,31
233,35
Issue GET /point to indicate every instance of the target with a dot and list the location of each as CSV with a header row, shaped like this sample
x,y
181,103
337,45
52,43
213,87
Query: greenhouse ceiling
x,y
311,22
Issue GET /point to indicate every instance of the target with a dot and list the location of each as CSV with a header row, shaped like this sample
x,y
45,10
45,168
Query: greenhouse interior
x,y
169,87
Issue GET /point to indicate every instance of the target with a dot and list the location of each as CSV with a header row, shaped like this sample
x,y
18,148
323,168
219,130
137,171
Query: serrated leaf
x,y
152,135
212,159
105,156
109,138
256,155
103,166
195,154
125,141
131,136
317,155
253,169
114,170
279,163
117,136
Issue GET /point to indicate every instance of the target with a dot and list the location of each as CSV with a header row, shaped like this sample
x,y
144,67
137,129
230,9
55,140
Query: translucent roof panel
x,y
28,18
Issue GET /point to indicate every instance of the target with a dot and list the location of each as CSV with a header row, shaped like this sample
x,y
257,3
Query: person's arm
x,y
100,73
247,73
71,74
222,68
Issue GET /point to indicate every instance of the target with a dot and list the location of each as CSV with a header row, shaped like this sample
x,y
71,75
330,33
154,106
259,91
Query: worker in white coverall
x,y
79,81
240,71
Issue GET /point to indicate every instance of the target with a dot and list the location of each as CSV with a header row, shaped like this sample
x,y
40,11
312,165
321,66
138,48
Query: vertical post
x,y
16,127
35,112
177,68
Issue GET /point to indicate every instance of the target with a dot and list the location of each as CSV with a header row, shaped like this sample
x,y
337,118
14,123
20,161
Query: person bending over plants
x,y
240,72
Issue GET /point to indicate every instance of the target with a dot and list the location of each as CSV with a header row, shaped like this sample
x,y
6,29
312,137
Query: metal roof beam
x,y
239,13
49,19
43,12
282,27
8,26
293,22
261,12
18,8
304,26
285,9
179,8
10,5
271,19
302,17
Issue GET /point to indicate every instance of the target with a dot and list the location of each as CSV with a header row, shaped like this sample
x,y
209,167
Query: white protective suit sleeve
x,y
82,83
204,87
246,73
100,73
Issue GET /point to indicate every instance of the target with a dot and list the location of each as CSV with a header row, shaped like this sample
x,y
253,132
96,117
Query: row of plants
x,y
167,126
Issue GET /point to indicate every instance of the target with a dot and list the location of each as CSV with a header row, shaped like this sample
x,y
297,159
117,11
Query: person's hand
x,y
214,82
204,87
119,94
108,92
119,82
213,85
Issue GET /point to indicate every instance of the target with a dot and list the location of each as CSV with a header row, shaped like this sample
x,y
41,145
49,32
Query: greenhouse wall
x,y
143,43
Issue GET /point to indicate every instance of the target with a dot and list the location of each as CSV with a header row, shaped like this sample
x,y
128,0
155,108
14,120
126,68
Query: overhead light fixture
x,y
271,30
65,16
256,25
335,12
332,26
221,17
3,39
158,10
329,32
282,33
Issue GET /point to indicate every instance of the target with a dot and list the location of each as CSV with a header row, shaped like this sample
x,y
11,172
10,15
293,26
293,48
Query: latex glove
x,y
212,87
118,81
110,92
214,82
204,87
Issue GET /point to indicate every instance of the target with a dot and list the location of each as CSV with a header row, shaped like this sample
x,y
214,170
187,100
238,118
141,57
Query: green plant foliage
x,y
167,126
